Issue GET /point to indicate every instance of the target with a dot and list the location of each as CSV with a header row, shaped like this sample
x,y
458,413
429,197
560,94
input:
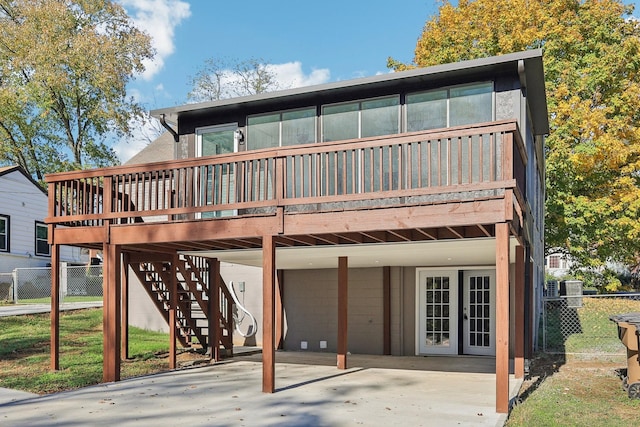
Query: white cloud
x,y
143,132
158,18
290,75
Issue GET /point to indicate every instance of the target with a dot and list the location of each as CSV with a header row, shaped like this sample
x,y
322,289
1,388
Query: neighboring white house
x,y
23,233
557,264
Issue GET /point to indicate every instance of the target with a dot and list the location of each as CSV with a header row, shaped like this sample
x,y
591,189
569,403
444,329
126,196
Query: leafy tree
x,y
64,66
592,72
220,79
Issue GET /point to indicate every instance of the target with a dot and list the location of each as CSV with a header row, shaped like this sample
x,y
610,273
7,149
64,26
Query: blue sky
x,y
309,42
312,42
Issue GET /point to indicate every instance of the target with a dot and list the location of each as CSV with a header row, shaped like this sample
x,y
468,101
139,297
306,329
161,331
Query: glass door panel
x,y
437,312
218,182
479,312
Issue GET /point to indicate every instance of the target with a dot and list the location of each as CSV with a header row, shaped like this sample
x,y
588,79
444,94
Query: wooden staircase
x,y
192,312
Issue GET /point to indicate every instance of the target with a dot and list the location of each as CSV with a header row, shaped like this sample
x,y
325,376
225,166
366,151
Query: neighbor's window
x,y
554,261
281,129
42,245
371,117
4,233
454,106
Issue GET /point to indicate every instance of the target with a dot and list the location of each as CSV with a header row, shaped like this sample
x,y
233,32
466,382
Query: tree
x,y
220,79
64,66
592,72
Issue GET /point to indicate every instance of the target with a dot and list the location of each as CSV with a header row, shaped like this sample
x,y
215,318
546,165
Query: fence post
x,y
14,284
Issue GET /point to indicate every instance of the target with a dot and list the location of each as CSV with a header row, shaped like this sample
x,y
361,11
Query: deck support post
x,y
112,313
502,317
125,306
214,310
519,313
530,303
343,305
268,313
55,307
386,310
173,308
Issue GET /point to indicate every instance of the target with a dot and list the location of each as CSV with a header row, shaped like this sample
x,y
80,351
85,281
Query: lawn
x,y
25,352
580,387
575,392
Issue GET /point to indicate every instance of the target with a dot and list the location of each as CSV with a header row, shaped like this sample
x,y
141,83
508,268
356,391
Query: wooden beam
x,y
79,235
125,306
519,313
530,302
111,314
343,306
215,283
502,317
431,216
455,232
173,309
268,307
55,306
484,230
433,235
195,230
386,310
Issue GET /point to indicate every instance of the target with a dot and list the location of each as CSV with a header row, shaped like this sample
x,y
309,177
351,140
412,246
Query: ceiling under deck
x,y
470,246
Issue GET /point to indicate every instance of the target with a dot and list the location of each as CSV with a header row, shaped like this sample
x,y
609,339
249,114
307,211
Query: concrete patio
x,y
310,391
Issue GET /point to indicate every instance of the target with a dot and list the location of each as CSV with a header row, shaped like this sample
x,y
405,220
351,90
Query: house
x,y
557,264
401,214
23,232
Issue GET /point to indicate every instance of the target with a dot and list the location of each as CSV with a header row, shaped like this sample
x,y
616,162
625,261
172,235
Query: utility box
x,y
551,289
572,290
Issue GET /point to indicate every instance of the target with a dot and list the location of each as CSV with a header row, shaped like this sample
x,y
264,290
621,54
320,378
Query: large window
x,y
361,119
281,129
454,106
42,244
4,233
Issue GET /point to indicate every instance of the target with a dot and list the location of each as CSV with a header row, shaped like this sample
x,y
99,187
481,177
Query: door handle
x,y
465,317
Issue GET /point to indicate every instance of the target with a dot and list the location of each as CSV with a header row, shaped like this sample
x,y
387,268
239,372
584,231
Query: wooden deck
x,y
463,182
448,184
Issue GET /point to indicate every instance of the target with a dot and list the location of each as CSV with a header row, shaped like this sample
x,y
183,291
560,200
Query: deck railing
x,y
475,158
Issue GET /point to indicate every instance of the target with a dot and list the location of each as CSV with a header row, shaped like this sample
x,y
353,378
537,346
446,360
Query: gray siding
x,y
24,203
311,308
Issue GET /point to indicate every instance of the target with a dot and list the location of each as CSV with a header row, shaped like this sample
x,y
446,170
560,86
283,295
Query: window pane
x,y
380,117
340,122
217,142
470,104
41,232
427,110
3,234
263,131
42,246
299,127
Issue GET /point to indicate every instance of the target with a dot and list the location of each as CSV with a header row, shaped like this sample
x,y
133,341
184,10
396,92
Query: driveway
x,y
375,391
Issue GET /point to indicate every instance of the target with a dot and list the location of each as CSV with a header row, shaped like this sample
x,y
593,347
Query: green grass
x,y
74,298
578,393
580,387
25,352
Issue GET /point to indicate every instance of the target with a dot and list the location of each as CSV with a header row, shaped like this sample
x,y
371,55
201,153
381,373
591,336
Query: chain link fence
x,y
580,325
33,285
6,286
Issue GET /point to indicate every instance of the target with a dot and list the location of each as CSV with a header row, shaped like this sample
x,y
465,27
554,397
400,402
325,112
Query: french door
x,y
479,308
442,314
437,308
